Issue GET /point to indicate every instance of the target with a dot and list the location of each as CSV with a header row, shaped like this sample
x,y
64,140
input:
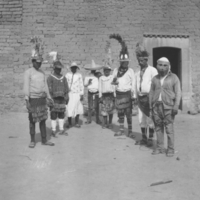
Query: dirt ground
x,y
92,164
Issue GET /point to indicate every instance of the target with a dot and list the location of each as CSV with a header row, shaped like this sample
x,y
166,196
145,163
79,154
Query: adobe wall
x,y
78,29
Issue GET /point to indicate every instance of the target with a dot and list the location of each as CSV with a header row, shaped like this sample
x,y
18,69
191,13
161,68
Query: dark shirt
x,y
58,86
170,91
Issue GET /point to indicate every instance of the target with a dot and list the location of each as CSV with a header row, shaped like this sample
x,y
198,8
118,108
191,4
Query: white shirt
x,y
145,84
126,82
105,85
94,86
75,83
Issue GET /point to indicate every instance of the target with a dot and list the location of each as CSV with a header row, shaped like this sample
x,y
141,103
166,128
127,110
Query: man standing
x,y
58,88
92,84
124,79
76,90
164,99
143,85
36,94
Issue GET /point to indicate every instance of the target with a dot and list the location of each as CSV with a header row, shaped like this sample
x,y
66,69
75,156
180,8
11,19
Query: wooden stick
x,y
161,182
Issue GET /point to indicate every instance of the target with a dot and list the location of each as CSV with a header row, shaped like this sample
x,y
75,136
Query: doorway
x,y
174,56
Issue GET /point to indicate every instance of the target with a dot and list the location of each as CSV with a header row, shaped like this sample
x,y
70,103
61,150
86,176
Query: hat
x,y
93,66
123,55
38,50
55,59
74,64
141,51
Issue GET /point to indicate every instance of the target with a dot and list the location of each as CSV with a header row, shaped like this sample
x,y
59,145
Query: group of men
x,y
156,91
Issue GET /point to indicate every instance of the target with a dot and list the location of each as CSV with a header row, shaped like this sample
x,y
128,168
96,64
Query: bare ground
x,y
91,164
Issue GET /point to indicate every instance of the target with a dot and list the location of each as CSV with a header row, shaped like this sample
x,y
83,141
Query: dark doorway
x,y
173,55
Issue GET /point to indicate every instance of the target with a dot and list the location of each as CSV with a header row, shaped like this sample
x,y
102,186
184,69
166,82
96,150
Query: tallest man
x,y
36,94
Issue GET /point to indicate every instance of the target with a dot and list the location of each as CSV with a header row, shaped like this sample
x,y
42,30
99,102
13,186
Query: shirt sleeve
x,y
49,83
136,91
133,83
100,88
151,93
81,85
47,88
26,84
86,81
66,87
177,90
154,72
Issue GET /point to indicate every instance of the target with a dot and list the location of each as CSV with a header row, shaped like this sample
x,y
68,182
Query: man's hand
x,y
174,112
100,100
134,101
67,101
81,97
50,102
27,105
151,114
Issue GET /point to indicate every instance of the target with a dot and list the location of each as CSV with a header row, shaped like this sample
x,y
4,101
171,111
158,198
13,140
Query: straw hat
x,y
93,66
74,64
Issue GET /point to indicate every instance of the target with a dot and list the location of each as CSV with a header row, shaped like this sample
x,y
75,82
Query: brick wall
x,y
78,29
10,46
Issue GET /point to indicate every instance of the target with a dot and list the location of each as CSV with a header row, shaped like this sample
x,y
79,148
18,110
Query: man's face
x,y
143,61
124,64
36,64
163,68
73,69
57,70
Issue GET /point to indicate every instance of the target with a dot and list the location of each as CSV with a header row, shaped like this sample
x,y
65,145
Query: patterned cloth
x,y
143,103
75,83
38,109
108,105
59,104
123,101
58,86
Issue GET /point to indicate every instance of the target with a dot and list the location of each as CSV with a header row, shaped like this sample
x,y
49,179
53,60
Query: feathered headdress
x,y
38,50
108,58
123,55
141,51
54,59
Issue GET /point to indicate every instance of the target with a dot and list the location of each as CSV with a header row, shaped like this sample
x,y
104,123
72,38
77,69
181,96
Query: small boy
x,y
58,88
107,96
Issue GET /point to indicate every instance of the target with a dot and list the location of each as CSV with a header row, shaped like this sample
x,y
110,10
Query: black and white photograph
x,y
99,99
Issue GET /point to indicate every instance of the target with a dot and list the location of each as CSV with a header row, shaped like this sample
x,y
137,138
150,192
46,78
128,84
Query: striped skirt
x,y
38,109
123,101
59,105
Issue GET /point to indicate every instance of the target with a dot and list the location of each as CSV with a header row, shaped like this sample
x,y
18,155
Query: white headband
x,y
163,59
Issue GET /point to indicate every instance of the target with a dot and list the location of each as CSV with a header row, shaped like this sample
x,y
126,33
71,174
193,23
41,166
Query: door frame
x,y
182,42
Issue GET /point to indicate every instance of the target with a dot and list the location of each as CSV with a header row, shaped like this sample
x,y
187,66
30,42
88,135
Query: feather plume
x,y
38,49
141,51
108,58
124,49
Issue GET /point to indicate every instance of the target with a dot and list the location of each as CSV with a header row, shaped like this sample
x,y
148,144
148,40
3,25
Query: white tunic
x,y
75,82
126,82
